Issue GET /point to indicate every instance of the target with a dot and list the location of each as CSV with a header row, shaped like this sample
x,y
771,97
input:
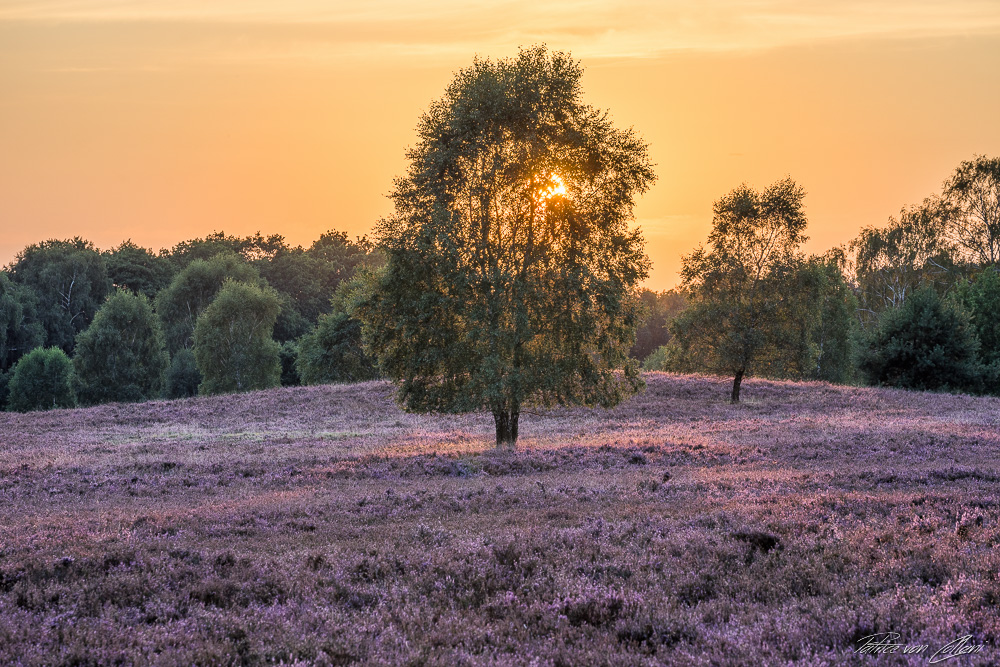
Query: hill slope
x,y
324,526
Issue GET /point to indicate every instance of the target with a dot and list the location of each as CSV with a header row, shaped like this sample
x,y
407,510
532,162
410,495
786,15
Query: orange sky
x,y
168,120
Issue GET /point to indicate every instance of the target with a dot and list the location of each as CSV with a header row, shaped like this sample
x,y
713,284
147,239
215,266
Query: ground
x,y
322,525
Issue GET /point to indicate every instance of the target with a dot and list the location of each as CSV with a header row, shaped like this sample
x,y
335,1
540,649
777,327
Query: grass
x,y
322,525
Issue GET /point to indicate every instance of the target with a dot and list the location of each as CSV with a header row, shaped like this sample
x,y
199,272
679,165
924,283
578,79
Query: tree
x,y
332,352
137,269
121,355
981,300
911,252
41,380
927,343
71,281
660,309
972,201
179,305
232,340
738,285
511,272
20,331
182,377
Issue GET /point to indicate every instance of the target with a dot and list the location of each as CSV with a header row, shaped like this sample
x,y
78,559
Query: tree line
x,y
912,304
222,313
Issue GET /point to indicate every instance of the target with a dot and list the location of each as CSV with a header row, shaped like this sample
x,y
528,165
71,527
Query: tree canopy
x,y
190,292
121,355
71,281
738,285
511,270
232,340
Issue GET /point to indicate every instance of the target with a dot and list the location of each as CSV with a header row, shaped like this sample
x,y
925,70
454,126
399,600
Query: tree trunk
x,y
506,422
735,398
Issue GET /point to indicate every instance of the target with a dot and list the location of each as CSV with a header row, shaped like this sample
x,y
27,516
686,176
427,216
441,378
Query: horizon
x,y
162,124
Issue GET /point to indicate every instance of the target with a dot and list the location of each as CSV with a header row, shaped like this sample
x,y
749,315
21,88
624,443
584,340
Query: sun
x,y
556,188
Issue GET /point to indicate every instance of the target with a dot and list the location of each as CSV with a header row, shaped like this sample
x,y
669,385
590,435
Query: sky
x,y
164,121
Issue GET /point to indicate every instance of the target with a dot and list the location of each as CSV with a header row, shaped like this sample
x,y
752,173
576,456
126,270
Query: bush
x,y
183,377
927,343
232,340
332,352
289,355
42,379
121,356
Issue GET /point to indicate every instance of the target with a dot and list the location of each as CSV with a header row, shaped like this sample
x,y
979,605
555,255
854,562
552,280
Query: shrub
x,y
121,356
42,379
332,352
927,343
183,377
232,340
289,355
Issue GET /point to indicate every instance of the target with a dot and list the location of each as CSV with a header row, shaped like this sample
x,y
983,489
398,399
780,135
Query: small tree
x,y
121,356
232,340
511,269
42,379
332,352
737,287
927,343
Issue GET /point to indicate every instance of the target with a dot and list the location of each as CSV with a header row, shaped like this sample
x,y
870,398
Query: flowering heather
x,y
321,525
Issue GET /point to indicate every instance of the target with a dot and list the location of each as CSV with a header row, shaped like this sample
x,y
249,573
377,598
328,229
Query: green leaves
x,y
497,292
121,355
232,340
739,285
42,379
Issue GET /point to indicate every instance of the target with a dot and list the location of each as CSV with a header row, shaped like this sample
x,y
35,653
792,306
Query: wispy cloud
x,y
317,30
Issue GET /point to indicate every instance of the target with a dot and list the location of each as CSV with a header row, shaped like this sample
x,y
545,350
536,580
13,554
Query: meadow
x,y
323,526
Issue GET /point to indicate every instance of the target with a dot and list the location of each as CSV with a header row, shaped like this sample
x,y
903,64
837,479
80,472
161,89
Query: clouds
x,y
317,31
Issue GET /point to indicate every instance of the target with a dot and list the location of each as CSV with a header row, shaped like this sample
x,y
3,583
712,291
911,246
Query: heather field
x,y
323,526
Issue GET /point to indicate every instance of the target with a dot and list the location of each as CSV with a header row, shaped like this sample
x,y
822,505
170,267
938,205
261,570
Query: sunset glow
x,y
556,188
165,121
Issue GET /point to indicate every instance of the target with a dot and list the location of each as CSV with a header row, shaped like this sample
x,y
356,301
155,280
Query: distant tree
x,y
71,281
179,305
250,248
332,352
927,343
343,256
971,200
41,380
182,376
737,287
511,271
660,309
819,330
20,331
232,340
121,355
289,354
981,300
894,261
137,269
